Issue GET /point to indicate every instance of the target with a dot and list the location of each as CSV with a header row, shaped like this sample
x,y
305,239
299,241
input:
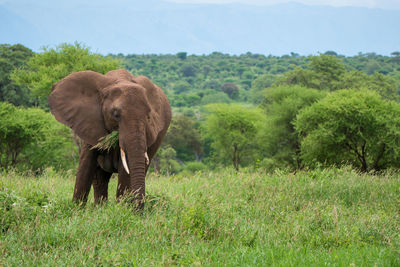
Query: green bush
x,y
195,166
278,138
184,136
231,130
31,139
218,97
165,161
351,127
271,164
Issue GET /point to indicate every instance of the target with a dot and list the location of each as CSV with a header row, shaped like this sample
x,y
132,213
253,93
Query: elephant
x,y
93,105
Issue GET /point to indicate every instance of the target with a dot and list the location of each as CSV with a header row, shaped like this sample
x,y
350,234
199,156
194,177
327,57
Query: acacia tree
x,y
329,70
232,130
46,68
384,85
356,127
324,72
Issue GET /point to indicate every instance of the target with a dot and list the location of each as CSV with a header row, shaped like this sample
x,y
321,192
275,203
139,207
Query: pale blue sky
x,y
386,4
121,26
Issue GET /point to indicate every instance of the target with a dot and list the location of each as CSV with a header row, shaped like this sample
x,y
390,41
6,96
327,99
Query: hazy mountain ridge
x,y
160,27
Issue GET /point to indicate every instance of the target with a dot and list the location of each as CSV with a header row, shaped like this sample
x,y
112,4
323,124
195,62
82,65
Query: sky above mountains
x,y
387,4
204,26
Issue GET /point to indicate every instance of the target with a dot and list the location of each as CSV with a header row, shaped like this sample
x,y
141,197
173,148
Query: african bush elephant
x,y
94,105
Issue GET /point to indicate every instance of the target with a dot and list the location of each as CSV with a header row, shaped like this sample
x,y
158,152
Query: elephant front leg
x,y
100,185
123,181
86,172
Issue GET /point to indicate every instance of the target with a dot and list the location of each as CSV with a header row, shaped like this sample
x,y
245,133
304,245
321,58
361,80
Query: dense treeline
x,y
198,80
250,110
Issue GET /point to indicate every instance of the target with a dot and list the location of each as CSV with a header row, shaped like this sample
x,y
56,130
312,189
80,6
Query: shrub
x,y
195,166
218,97
356,127
278,137
232,130
32,139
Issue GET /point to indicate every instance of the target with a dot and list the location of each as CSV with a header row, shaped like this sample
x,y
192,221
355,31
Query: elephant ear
x,y
156,117
75,102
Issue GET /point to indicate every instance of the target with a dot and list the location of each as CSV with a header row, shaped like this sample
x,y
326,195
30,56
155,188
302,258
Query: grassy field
x,y
331,217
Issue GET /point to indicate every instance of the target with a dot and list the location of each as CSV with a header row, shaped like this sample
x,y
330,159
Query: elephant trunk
x,y
137,176
133,143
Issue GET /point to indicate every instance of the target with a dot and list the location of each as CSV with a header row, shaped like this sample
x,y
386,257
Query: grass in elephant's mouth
x,y
108,142
334,217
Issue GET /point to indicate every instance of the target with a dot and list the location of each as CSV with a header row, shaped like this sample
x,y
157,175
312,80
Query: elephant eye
x,y
116,114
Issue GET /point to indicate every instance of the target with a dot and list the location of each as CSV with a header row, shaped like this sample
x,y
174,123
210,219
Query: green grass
x,y
331,217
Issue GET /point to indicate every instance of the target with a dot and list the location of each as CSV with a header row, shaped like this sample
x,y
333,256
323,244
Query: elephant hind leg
x,y
85,174
100,185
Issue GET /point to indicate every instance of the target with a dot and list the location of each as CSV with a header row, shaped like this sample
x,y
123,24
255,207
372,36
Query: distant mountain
x,y
155,26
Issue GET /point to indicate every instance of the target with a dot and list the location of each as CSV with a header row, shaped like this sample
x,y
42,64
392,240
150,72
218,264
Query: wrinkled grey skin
x,y
94,105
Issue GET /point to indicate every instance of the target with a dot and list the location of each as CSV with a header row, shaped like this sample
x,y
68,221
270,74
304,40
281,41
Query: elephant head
x,y
94,105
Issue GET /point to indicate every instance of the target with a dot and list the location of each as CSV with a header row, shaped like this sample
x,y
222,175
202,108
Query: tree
x,y
351,127
328,67
258,86
181,55
32,139
372,66
324,73
231,89
165,162
215,97
278,137
184,138
232,130
11,57
331,53
384,85
212,84
181,86
395,57
248,75
206,70
189,70
299,76
46,68
185,100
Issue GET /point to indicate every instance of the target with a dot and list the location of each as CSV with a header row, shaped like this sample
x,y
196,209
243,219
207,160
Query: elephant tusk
x,y
124,161
147,158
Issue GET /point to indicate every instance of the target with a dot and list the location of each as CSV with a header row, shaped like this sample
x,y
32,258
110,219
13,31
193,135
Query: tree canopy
x,y
279,138
351,127
234,133
44,69
31,138
12,57
232,130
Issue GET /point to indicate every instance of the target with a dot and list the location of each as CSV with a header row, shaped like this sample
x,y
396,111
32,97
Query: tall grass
x,y
333,217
